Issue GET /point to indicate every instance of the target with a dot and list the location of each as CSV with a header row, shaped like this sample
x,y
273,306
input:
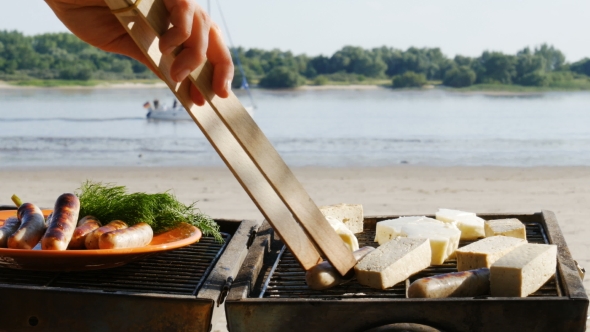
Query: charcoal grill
x,y
270,294
170,291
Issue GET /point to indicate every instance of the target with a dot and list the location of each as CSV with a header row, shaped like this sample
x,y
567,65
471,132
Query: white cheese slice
x,y
524,270
345,234
444,237
350,214
507,227
393,262
470,225
389,229
448,215
485,252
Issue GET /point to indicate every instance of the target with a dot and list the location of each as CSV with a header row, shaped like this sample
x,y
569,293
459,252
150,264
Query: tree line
x,y
64,56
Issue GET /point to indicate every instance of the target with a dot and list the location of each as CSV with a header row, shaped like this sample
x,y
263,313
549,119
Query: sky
x,y
313,27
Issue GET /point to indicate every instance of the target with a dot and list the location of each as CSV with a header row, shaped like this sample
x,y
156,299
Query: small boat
x,y
174,113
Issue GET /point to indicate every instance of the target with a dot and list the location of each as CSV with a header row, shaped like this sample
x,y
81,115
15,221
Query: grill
x,y
270,294
171,291
288,278
181,271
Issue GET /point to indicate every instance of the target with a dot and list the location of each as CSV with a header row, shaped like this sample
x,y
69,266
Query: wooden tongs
x,y
241,144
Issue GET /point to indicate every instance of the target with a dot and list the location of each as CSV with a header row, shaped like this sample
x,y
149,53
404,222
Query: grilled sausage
x,y
458,284
139,235
10,226
62,223
86,226
91,241
32,227
324,275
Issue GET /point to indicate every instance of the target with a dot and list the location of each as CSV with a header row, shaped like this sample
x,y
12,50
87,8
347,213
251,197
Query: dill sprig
x,y
162,211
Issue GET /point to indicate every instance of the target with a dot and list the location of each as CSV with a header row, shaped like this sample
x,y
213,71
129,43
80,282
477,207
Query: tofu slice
x,y
444,237
470,225
389,229
485,252
507,227
524,270
393,262
345,234
448,215
350,214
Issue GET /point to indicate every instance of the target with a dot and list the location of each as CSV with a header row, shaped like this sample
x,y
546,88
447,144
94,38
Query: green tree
x,y
495,67
409,80
581,67
459,77
554,59
530,69
281,77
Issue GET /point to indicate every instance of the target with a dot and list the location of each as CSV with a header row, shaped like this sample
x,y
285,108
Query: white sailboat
x,y
175,112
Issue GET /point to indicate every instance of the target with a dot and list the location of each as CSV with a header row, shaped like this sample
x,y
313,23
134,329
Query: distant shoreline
x,y
489,90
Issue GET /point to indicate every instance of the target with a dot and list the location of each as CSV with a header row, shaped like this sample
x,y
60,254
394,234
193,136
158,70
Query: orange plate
x,y
78,260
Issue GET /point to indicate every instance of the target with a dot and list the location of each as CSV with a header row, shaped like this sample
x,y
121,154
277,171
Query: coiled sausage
x,y
324,275
139,235
31,229
62,223
10,226
457,284
91,241
86,226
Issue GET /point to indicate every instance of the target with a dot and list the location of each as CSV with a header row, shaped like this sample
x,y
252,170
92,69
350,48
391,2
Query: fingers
x,y
191,30
196,96
200,39
223,67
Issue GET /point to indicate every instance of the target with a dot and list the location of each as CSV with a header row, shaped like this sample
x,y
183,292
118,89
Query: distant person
x,y
93,22
156,104
174,103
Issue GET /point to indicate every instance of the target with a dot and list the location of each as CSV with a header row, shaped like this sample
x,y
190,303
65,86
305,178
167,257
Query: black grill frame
x,y
245,311
52,301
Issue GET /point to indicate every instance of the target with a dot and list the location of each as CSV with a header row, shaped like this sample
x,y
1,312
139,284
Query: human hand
x,y
93,22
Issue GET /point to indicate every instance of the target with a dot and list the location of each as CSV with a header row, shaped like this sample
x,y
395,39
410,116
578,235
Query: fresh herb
x,y
162,211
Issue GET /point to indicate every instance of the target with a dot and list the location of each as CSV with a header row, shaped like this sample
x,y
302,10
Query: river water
x,y
371,127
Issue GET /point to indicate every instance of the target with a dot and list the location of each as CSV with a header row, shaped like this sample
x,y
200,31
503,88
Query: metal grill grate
x,y
288,278
180,271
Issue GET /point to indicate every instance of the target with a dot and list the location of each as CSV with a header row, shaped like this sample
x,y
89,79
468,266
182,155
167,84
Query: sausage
x,y
86,226
324,275
139,235
62,224
457,284
32,227
10,226
91,241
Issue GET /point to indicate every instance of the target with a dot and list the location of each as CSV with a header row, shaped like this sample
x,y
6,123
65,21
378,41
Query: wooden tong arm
x,y
241,144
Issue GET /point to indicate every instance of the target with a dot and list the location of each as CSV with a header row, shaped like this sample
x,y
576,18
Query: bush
x,y
75,73
321,80
281,77
409,80
238,79
581,67
536,78
459,77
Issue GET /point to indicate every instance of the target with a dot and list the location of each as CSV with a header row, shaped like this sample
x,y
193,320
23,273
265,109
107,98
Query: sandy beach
x,y
396,190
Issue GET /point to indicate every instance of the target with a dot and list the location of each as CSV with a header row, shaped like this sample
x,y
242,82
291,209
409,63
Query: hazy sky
x,y
315,27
